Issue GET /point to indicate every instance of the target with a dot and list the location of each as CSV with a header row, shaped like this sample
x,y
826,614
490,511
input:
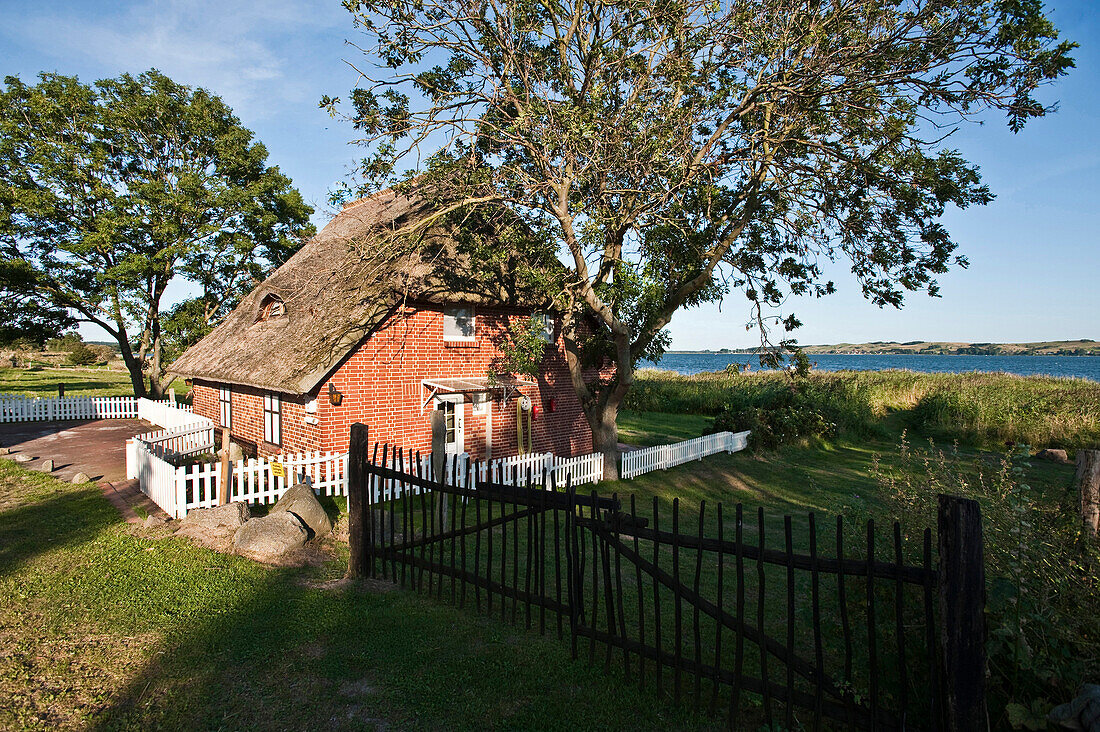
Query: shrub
x,y
81,355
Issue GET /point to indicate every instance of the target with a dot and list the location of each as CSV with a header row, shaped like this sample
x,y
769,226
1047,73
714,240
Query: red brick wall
x,y
247,407
381,387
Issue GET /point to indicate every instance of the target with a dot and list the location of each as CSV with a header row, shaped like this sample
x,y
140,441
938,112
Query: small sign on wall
x,y
278,469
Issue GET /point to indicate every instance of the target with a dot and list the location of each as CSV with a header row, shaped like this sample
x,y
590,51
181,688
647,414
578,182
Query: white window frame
x,y
273,419
225,407
452,331
546,323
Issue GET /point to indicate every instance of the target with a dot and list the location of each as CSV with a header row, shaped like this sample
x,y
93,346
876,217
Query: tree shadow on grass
x,y
290,655
66,518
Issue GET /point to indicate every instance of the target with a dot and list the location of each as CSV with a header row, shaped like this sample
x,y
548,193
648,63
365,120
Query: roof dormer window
x,y
271,306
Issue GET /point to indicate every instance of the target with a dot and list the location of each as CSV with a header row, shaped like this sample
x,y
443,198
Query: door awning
x,y
505,386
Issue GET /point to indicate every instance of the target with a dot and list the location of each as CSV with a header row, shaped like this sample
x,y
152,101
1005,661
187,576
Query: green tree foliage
x,y
24,319
674,153
108,192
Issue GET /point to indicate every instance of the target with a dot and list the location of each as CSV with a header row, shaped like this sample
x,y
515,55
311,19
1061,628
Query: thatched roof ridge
x,y
335,290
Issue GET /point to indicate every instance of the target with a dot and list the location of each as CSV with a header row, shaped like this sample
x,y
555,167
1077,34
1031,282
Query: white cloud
x,y
248,52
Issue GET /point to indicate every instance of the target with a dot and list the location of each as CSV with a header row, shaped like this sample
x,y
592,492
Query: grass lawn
x,y
646,429
114,627
78,382
105,626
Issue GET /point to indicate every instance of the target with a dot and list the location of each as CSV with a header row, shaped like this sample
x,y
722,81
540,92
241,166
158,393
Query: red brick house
x,y
359,327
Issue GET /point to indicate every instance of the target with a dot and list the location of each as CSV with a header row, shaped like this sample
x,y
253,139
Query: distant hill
x,y
1082,347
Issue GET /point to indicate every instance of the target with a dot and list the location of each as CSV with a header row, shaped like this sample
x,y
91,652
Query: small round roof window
x,y
271,306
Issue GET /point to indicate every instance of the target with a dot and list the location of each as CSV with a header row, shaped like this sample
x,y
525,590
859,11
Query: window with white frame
x,y
459,323
273,419
545,324
225,407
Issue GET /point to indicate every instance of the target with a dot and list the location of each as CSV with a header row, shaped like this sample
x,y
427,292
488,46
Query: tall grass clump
x,y
980,409
1043,640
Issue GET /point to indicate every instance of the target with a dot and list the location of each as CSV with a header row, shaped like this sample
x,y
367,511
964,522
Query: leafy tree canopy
x,y
109,191
676,152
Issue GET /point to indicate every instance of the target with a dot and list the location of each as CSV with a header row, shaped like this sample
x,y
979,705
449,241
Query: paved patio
x,y
95,447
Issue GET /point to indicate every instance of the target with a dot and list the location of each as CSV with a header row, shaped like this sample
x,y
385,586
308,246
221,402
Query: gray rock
x,y
214,527
152,521
231,516
1057,456
236,452
5,450
301,502
1083,713
22,458
81,478
47,466
270,537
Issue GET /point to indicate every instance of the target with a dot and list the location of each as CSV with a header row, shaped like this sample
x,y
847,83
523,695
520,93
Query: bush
x,y
81,355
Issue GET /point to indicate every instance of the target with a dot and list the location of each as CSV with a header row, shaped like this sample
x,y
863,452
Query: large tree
x,y
108,192
674,152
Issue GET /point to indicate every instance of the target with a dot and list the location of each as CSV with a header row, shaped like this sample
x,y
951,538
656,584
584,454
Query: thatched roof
x,y
336,290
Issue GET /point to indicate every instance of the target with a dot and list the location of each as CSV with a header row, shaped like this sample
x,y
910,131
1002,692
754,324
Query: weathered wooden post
x,y
61,390
962,613
357,500
227,470
1088,483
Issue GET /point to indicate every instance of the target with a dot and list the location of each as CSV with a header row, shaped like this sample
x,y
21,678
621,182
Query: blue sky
x,y
1035,259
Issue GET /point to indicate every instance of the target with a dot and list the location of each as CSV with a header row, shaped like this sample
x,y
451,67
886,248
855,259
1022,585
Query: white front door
x,y
453,407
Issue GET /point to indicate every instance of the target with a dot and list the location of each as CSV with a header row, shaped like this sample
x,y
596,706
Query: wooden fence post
x,y
1088,483
226,487
962,613
357,499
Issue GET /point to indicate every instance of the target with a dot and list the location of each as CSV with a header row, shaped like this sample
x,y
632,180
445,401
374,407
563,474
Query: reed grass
x,y
981,409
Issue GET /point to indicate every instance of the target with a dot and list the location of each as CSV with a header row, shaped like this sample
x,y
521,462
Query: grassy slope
x,y
105,626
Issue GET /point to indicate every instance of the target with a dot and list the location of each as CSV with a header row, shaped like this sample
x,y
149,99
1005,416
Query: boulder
x,y
152,521
270,537
23,458
1083,713
1057,456
47,466
214,527
300,501
81,478
236,452
231,516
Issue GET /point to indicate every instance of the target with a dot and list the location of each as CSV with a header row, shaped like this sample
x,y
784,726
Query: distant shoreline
x,y
1082,347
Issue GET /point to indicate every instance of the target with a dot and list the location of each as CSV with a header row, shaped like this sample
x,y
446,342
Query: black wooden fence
x,y
709,613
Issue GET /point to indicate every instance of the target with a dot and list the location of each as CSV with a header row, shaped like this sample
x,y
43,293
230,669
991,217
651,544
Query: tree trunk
x,y
605,436
1088,483
133,365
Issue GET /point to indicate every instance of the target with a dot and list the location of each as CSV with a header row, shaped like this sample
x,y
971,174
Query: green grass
x,y
106,627
78,382
658,428
978,409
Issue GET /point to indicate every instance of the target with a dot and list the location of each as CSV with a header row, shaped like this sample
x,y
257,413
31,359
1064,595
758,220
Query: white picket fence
x,y
169,415
661,457
15,408
179,489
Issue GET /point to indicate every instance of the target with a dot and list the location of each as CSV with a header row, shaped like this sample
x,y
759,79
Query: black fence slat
x,y
456,529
